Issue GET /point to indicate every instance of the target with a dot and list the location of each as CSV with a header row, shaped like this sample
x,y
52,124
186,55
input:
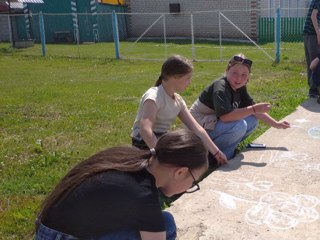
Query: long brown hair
x,y
181,147
174,65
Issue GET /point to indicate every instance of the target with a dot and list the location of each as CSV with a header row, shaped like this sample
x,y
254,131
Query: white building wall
x,y
205,18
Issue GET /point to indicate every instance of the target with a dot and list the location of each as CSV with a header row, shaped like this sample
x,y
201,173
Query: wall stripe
x,y
26,19
93,6
74,12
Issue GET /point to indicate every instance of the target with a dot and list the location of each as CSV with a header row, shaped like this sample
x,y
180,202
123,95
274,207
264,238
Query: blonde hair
x,y
232,62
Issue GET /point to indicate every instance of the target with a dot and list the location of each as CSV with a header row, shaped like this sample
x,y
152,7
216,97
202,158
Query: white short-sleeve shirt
x,y
168,109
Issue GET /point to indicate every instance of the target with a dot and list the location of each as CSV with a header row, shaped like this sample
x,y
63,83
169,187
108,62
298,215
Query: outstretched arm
x,y
241,113
261,113
260,110
265,117
186,117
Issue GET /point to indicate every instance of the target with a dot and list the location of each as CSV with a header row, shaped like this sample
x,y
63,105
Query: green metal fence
x,y
291,29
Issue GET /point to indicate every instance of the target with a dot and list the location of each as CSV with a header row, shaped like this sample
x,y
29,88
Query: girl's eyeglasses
x,y
195,186
242,60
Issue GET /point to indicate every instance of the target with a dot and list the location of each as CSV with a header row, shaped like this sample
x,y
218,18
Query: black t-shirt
x,y
107,202
220,97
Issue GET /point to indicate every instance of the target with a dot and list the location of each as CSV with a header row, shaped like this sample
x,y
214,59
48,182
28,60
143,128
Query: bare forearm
x,y
315,20
266,118
237,114
272,122
148,137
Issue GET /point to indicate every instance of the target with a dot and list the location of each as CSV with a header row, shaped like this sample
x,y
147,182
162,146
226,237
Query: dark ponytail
x,y
174,65
159,81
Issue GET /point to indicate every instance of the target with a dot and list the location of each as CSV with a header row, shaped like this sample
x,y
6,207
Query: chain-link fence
x,y
201,36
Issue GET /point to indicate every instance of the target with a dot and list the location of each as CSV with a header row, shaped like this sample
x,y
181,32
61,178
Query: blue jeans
x,y
45,233
227,135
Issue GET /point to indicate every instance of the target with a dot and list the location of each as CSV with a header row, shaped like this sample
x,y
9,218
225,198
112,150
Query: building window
x,y
174,7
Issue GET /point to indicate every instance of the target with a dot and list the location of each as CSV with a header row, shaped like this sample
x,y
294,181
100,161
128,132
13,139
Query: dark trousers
x,y
141,144
311,49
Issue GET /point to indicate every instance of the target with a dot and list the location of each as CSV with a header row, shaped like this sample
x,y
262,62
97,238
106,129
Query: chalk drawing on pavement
x,y
301,120
296,126
282,211
283,158
242,188
290,159
277,210
314,132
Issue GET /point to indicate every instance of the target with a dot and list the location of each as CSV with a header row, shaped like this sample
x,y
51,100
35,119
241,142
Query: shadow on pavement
x,y
237,162
311,105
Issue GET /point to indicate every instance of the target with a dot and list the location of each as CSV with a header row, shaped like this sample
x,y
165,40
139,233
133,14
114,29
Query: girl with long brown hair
x,y
114,193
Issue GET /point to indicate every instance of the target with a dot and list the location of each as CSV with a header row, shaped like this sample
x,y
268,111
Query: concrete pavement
x,y
271,193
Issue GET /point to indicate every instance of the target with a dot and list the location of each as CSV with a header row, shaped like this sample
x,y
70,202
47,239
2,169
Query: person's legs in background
x,y
311,52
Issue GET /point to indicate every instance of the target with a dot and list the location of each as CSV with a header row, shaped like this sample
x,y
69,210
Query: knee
x,y
255,123
240,127
168,218
252,123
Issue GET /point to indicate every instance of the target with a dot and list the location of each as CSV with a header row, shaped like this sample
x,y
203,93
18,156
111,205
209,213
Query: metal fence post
x,y
115,34
278,34
42,34
192,39
165,35
220,36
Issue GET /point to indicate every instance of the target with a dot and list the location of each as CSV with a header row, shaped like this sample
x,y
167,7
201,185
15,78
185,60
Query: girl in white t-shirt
x,y
161,104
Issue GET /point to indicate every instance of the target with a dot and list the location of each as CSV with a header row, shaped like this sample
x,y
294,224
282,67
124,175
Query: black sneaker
x,y
313,93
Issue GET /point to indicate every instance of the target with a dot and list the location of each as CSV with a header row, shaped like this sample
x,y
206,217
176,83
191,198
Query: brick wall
x,y
206,23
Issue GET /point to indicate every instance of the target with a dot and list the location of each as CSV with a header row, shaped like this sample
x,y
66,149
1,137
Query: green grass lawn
x,y
56,111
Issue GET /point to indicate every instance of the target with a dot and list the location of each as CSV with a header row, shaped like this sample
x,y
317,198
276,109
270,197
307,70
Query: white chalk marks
x,y
290,159
242,190
278,210
301,120
282,211
314,132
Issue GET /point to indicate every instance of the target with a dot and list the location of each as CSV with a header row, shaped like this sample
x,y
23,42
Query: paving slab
x,y
271,193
